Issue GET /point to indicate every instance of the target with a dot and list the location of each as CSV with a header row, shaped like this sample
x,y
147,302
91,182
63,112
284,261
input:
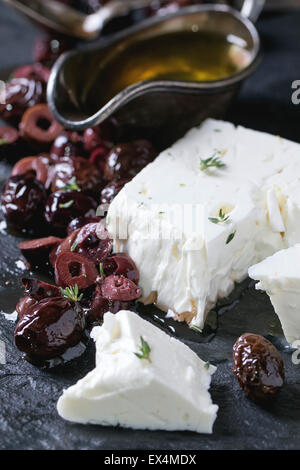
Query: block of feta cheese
x,y
167,389
279,276
219,200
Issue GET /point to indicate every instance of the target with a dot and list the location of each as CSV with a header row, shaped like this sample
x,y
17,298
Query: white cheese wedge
x,y
279,276
169,391
163,217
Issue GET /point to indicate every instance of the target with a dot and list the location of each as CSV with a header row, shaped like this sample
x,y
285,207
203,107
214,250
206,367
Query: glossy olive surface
x,y
257,366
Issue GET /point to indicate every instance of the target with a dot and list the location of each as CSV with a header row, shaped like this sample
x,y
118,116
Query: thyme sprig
x,y
74,246
71,185
145,350
196,328
230,237
72,293
222,217
213,161
102,273
66,205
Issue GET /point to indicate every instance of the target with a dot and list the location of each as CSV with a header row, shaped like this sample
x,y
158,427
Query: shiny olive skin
x,y
63,247
24,304
21,94
63,206
75,269
122,265
39,290
39,165
110,191
80,222
99,305
37,251
90,245
125,160
49,327
67,144
87,176
22,200
257,366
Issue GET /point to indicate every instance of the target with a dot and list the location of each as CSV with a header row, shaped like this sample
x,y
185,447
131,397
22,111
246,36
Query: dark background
x,y
28,418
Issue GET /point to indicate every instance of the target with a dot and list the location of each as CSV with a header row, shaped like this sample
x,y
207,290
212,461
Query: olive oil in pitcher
x,y
186,55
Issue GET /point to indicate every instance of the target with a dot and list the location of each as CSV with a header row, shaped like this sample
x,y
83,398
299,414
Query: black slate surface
x,y
28,418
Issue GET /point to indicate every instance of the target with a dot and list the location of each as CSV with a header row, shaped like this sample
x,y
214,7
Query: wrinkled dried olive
x,y
257,366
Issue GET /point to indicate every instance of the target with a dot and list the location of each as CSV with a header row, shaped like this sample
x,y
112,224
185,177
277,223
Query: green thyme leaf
x,y
145,350
71,185
221,218
66,205
230,237
74,246
207,365
102,273
214,220
72,293
213,161
196,328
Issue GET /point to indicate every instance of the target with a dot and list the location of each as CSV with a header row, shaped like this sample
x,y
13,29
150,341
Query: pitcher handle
x,y
252,9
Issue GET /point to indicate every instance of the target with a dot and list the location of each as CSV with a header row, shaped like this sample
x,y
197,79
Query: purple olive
x,y
37,251
125,160
120,288
49,327
99,305
86,175
90,245
110,191
23,199
21,94
63,206
39,290
122,265
80,222
67,144
75,269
